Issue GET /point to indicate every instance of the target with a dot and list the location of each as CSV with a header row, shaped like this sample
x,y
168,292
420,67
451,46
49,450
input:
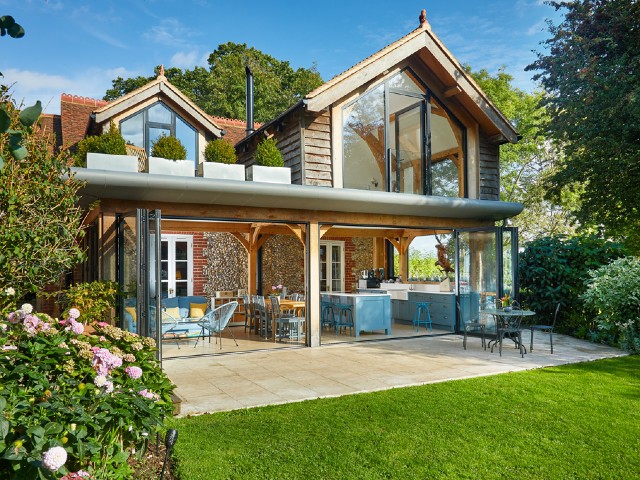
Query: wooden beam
x,y
299,231
452,91
243,238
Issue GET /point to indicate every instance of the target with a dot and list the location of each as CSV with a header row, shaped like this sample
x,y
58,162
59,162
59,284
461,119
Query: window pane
x,y
447,153
406,81
132,130
155,134
406,145
158,113
187,137
363,142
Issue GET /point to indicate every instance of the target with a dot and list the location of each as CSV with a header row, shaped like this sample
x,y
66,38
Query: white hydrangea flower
x,y
9,291
27,308
54,458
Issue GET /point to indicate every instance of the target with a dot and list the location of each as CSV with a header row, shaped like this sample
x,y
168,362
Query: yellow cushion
x,y
171,313
131,311
196,310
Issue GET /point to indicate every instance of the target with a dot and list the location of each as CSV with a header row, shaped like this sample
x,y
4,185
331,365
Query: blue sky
x,y
78,47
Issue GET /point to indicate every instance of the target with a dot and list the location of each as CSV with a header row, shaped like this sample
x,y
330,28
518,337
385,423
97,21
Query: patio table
x,y
297,306
507,318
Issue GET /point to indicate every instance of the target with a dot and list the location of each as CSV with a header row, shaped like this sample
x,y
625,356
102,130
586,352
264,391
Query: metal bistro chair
x,y
345,318
545,328
509,326
169,323
472,325
217,320
261,315
327,314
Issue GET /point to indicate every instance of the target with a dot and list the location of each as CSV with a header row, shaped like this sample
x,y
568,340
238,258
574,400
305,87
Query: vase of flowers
x,y
506,303
276,290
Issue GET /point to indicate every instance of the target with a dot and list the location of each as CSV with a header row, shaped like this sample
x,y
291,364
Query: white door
x,y
331,266
176,265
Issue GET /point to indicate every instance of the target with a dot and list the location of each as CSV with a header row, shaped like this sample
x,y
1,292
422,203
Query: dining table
x,y
507,317
297,306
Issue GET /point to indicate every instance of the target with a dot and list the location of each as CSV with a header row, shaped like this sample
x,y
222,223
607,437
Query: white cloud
x,y
185,59
28,86
170,32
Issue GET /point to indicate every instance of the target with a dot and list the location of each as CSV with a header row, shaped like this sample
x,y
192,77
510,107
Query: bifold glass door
x,y
487,266
138,272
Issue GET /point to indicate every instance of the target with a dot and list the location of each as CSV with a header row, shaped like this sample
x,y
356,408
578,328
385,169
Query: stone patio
x,y
216,383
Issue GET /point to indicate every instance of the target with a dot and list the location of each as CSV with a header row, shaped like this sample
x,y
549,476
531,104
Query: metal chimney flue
x,y
249,106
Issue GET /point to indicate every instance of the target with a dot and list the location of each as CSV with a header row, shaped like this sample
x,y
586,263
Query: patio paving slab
x,y
252,379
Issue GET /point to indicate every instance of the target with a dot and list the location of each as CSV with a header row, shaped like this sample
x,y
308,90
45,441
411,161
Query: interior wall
x,y
283,264
224,264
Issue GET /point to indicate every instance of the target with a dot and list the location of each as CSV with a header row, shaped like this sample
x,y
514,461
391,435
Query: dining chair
x,y
509,326
286,324
217,320
247,311
545,328
472,325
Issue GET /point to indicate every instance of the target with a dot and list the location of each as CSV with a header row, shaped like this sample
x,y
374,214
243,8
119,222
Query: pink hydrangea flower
x,y
13,317
74,313
75,327
104,361
54,458
150,395
133,372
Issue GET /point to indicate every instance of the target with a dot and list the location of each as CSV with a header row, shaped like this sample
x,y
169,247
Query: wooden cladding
x,y
489,169
317,150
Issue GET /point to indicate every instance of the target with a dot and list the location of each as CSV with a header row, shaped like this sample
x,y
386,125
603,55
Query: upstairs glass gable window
x,y
399,138
146,126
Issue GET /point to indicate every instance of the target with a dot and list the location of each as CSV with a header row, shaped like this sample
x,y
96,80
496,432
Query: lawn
x,y
578,421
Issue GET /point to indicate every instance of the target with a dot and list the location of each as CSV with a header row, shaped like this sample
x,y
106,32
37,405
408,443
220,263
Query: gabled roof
x,y
159,86
423,42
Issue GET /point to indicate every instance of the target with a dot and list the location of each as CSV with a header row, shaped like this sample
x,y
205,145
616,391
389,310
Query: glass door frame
x,y
424,172
171,240
329,279
498,232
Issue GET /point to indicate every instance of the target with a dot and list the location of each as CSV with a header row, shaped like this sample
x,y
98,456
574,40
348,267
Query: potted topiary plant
x,y
220,162
106,152
269,166
168,158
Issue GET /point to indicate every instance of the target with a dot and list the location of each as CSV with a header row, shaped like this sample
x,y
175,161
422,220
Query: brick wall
x,y
75,113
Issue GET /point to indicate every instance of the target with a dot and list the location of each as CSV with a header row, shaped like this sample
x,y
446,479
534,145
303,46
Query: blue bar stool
x,y
422,316
345,318
327,316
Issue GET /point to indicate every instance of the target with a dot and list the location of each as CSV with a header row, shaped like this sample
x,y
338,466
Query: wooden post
x,y
312,260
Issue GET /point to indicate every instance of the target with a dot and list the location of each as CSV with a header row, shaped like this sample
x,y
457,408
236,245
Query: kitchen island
x,y
371,311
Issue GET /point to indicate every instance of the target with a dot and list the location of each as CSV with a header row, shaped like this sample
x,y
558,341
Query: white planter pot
x,y
107,161
223,171
164,166
259,173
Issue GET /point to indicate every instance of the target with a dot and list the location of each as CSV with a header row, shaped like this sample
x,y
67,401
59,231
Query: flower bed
x,y
74,403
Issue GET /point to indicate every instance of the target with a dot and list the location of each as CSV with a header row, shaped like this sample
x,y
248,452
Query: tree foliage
x,y
221,89
526,165
591,73
553,270
40,224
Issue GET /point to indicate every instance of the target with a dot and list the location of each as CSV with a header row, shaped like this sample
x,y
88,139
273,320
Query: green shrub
x,y
110,142
96,300
552,270
219,151
613,291
169,147
93,399
268,155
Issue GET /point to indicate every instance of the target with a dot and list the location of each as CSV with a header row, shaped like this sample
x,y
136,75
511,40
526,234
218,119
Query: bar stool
x,y
422,316
345,317
327,315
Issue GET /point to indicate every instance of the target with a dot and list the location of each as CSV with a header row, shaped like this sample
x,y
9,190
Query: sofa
x,y
183,304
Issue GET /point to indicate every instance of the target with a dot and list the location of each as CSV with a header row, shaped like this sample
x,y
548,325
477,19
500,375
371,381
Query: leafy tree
x,y
40,223
591,73
221,90
526,165
554,269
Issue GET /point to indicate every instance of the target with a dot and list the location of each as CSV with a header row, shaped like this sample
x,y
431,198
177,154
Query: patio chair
x,y
247,308
545,328
509,326
217,320
472,325
261,316
169,322
287,325
345,318
327,314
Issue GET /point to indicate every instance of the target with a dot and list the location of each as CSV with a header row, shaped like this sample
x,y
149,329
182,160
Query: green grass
x,y
578,421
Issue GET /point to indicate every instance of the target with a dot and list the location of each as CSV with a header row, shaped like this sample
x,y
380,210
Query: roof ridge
x,y
94,102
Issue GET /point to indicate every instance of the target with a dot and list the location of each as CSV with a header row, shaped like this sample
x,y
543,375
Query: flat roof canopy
x,y
103,184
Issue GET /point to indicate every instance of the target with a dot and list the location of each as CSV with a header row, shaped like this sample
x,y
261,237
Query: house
x,y
397,155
